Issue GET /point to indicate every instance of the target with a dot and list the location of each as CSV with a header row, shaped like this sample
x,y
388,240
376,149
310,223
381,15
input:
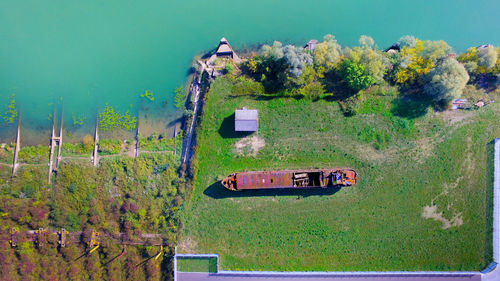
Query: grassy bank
x,y
422,201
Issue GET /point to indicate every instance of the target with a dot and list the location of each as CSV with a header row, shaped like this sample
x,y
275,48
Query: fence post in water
x,y
136,149
59,155
18,146
52,144
175,140
53,141
96,141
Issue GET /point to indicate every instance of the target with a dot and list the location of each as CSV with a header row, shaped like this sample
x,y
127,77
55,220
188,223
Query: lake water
x,y
84,54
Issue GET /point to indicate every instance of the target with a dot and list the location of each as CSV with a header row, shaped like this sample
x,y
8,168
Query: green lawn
x,y
197,265
439,160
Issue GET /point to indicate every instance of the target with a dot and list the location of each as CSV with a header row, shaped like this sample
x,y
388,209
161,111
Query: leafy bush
x,y
229,68
88,142
75,148
355,76
109,146
156,143
34,154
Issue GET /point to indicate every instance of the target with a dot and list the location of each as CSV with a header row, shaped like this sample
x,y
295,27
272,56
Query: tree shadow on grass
x,y
410,108
268,97
218,191
226,129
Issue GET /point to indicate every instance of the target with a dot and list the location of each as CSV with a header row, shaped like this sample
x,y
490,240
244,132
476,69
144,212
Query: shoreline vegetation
x,y
423,201
384,113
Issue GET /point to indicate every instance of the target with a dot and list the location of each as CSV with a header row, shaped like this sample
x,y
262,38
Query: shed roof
x,y
246,126
246,114
246,120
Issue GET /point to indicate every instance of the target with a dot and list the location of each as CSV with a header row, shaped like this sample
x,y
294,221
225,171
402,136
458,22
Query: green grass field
x,y
412,164
197,265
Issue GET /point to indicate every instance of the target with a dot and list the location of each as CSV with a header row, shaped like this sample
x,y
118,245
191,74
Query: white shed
x,y
246,120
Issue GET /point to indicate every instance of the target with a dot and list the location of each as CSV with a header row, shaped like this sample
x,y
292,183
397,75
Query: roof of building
x,y
246,125
311,45
224,46
246,114
246,120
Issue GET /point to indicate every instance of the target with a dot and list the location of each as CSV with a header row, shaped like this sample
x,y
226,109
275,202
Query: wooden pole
x,y
52,144
18,146
136,152
59,155
96,141
175,139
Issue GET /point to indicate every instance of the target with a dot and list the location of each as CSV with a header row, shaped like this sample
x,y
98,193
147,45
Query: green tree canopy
x,y
375,62
328,52
296,58
354,74
487,56
446,81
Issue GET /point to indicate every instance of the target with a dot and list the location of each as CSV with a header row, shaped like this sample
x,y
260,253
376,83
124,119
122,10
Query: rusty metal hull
x,y
300,179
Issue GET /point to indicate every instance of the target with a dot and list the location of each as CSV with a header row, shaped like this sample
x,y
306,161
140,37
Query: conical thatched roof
x,y
224,47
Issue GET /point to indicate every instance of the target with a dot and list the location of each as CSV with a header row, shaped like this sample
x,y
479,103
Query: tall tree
x,y
328,52
446,81
296,58
487,56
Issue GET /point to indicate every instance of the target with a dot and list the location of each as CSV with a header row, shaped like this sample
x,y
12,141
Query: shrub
x,y
229,68
109,146
34,154
88,142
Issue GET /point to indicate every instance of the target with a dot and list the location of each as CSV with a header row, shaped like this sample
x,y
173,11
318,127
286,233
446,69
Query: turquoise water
x,y
84,54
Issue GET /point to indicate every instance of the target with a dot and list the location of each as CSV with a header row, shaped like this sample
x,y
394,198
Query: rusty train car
x,y
315,178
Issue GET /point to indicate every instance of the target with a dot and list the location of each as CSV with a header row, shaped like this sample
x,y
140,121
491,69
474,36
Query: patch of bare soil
x,y
452,117
187,245
431,212
249,145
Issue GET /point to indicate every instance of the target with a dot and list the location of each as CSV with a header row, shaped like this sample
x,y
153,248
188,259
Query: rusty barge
x,y
316,178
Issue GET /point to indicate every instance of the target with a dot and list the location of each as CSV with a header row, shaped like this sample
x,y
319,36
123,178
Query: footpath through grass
x,y
423,201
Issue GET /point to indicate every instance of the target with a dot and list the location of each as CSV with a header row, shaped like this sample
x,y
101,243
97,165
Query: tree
x,y
366,42
296,58
407,41
354,74
436,49
374,62
418,60
274,52
328,52
487,56
446,81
